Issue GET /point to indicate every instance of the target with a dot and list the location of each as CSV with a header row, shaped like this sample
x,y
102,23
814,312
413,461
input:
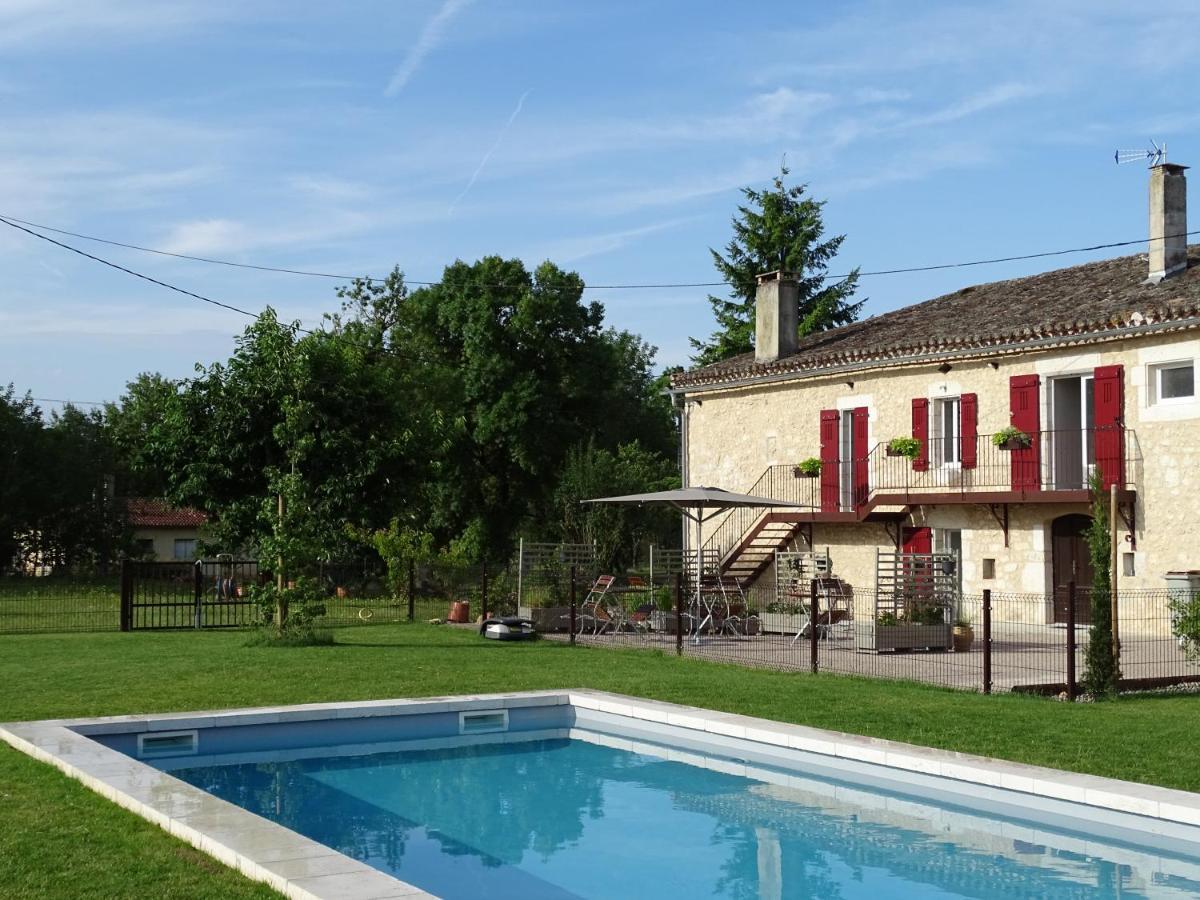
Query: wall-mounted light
x,y
850,384
994,364
944,368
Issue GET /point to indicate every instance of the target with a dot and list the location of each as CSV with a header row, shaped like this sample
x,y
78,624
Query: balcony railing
x,y
1063,460
1054,461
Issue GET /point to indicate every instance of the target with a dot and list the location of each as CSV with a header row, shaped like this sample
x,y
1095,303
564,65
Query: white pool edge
x,y
304,869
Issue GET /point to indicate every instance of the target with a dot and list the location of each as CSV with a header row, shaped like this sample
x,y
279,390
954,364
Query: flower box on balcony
x,y
1012,439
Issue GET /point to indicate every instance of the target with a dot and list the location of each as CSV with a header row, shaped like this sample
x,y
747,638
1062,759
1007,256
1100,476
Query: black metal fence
x,y
989,642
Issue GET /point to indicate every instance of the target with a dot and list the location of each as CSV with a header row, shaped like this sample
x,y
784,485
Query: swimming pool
x,y
581,794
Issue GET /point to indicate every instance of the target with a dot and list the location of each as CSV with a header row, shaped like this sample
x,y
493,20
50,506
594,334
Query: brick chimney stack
x,y
1168,221
776,317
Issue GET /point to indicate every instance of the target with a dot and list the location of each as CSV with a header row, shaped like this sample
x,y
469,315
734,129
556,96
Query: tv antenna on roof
x,y
1156,155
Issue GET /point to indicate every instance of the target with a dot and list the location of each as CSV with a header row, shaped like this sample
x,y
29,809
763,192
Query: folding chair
x,y
594,608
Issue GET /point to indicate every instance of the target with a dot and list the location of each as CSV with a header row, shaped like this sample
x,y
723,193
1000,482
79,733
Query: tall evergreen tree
x,y
775,229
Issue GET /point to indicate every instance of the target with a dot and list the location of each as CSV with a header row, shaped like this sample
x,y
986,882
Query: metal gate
x,y
201,594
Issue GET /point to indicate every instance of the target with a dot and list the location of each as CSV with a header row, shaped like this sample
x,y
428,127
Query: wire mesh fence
x,y
60,603
994,641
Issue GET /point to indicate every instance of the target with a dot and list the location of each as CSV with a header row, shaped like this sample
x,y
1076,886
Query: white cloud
x,y
569,250
25,23
428,40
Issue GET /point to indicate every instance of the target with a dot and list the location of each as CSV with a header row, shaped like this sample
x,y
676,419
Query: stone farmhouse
x,y
1094,365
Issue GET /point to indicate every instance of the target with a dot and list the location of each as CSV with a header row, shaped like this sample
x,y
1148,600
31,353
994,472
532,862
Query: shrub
x,y
1185,624
1101,672
305,603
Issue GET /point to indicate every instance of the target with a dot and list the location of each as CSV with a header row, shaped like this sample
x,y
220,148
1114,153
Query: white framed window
x,y
185,548
947,433
1173,382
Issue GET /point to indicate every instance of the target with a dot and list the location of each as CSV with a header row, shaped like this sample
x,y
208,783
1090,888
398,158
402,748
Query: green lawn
x,y
57,839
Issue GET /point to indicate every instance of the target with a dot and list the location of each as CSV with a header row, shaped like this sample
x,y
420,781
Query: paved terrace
x,y
1023,656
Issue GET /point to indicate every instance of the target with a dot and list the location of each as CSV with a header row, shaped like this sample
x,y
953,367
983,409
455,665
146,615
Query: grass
x,y
57,839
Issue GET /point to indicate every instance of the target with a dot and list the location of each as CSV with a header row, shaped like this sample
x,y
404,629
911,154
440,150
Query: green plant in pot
x,y
1011,438
809,468
909,447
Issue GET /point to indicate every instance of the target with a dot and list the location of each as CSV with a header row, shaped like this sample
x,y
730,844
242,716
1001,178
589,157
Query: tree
x,y
615,531
1101,672
779,229
20,433
519,369
137,423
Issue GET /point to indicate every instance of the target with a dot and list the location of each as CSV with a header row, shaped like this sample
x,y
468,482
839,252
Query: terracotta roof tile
x,y
147,512
1073,304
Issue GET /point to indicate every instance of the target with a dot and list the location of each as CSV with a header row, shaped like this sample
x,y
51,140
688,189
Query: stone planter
x,y
780,623
905,636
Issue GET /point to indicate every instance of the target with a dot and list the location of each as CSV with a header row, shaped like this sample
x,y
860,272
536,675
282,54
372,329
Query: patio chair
x,y
594,609
835,606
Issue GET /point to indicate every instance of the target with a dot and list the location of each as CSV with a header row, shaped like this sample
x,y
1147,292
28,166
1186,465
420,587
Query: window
x,y
185,548
143,548
949,540
947,431
1174,382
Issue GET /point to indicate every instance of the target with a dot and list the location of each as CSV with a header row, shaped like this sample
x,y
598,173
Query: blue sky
x,y
609,137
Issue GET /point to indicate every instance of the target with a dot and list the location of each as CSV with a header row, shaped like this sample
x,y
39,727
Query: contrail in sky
x,y
430,37
483,162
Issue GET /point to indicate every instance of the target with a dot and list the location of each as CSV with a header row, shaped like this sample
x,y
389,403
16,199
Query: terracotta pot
x,y
963,637
460,611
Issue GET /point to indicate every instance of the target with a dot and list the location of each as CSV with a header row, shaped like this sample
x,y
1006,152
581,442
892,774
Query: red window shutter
x,y
859,453
830,422
968,407
1025,415
920,430
1108,395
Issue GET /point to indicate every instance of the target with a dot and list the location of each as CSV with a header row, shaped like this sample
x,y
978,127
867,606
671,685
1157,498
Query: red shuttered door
x,y
861,488
969,410
918,540
1109,398
830,420
920,430
1026,417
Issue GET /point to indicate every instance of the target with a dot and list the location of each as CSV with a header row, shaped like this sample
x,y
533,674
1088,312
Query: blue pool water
x,y
572,819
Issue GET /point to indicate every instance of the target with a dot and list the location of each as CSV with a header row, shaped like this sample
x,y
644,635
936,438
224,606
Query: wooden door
x,y
1070,560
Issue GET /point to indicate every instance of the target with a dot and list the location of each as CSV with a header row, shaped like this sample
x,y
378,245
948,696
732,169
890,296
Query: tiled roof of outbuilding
x,y
1075,305
147,512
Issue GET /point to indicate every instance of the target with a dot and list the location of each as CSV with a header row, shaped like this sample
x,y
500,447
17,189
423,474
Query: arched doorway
x,y
1070,561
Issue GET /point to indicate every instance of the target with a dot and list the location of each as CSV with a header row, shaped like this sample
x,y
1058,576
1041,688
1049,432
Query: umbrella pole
x,y
699,577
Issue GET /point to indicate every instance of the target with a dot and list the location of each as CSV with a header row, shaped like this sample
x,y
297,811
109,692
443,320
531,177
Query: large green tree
x,y
775,229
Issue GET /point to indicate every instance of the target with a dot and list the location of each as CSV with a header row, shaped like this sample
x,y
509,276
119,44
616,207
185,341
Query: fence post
x,y
987,640
1071,690
483,586
412,589
197,591
679,614
126,594
812,624
571,622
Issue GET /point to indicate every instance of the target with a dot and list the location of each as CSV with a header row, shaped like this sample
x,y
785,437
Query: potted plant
x,y
963,635
911,625
904,446
809,468
1011,438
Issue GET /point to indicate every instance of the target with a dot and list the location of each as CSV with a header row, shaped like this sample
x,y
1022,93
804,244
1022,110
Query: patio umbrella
x,y
699,504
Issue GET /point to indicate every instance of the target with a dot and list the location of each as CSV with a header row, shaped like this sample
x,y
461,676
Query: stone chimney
x,y
1168,221
777,316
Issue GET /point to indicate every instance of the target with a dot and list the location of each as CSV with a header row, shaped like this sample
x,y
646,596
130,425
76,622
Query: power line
x,y
68,402
10,220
